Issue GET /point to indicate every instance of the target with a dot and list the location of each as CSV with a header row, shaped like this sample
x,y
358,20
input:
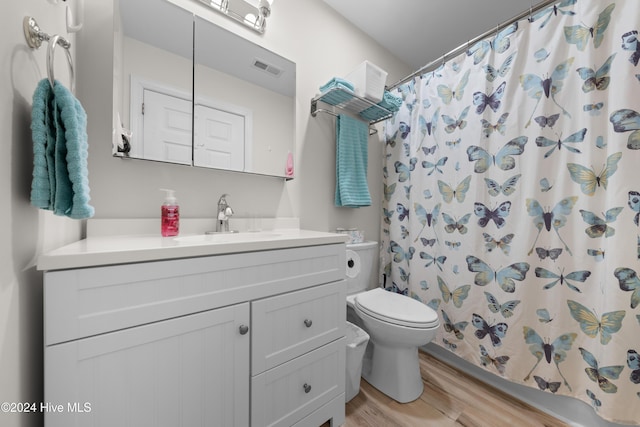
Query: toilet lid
x,y
395,308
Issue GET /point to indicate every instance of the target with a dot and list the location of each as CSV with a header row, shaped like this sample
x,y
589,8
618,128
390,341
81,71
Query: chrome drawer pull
x,y
308,323
243,329
307,388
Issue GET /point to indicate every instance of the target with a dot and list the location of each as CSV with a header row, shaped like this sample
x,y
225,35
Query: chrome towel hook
x,y
35,37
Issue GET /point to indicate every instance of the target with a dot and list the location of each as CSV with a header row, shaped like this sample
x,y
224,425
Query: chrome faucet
x,y
224,212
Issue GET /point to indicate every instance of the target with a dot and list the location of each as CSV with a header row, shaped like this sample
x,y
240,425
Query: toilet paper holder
x,y
353,264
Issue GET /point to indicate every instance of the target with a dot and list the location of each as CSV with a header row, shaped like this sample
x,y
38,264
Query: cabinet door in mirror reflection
x,y
244,94
219,138
166,130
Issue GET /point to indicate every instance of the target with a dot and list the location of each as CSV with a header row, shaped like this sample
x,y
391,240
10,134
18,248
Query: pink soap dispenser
x,y
288,172
170,215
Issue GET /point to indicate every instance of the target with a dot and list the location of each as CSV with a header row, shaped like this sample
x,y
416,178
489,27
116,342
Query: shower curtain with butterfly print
x,y
512,202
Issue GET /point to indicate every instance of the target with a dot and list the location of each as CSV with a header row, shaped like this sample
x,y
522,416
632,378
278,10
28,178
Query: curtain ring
x,y
53,42
530,13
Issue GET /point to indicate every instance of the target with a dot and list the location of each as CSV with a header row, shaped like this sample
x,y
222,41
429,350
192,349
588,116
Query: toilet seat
x,y
396,309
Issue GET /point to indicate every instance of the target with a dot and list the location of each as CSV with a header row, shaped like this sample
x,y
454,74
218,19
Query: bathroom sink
x,y
226,237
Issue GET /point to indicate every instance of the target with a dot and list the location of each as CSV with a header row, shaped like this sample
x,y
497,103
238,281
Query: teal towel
x,y
374,113
336,91
337,82
60,175
390,102
352,189
43,144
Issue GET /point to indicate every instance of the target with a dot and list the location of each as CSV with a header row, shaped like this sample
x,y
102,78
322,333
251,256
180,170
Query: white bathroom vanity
x,y
227,330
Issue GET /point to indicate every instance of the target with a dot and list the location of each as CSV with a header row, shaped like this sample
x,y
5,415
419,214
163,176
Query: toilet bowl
x,y
397,326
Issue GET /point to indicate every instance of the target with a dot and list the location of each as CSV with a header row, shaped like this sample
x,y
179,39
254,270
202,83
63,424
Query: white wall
x,y
306,31
27,231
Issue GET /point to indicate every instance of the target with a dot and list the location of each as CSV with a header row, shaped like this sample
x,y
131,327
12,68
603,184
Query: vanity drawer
x,y
287,326
284,395
85,302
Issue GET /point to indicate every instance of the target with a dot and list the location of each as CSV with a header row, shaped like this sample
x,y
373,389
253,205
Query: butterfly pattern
x,y
451,123
504,243
507,188
459,192
552,254
545,121
588,179
542,141
596,79
454,224
608,324
503,159
601,375
493,101
630,43
580,35
555,218
599,227
457,296
627,120
538,88
498,362
578,276
505,309
529,255
505,277
543,384
499,44
497,215
495,332
634,204
494,73
488,129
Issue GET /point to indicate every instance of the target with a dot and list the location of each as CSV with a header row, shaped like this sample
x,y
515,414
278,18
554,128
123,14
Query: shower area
x,y
512,201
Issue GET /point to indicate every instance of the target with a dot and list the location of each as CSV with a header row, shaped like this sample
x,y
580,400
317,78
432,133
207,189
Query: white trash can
x,y
357,340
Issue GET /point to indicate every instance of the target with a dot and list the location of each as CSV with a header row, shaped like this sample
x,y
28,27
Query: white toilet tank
x,y
361,266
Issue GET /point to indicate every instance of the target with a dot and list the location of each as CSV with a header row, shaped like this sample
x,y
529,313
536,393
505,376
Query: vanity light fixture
x,y
251,13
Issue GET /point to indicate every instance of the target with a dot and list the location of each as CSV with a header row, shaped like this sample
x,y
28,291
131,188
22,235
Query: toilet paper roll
x,y
353,264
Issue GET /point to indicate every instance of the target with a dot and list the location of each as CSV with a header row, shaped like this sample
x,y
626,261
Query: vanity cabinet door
x,y
187,371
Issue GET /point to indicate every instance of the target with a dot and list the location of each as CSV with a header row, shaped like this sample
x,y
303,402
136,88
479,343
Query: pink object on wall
x,y
289,168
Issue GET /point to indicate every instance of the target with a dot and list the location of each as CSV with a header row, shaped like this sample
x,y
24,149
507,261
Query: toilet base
x,y
394,371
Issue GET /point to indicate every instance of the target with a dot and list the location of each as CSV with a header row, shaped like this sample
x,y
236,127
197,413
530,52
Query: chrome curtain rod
x,y
463,47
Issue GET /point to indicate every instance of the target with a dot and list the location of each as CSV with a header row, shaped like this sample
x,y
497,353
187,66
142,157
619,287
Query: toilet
x,y
397,326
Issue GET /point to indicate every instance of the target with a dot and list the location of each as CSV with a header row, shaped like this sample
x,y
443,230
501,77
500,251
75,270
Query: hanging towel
x,y
352,189
60,174
43,145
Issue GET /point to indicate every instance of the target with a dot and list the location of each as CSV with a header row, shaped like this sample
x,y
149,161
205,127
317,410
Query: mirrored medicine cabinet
x,y
187,91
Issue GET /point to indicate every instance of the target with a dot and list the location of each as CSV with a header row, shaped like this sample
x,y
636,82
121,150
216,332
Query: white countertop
x,y
109,250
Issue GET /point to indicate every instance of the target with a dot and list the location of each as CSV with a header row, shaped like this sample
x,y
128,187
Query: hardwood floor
x,y
450,399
